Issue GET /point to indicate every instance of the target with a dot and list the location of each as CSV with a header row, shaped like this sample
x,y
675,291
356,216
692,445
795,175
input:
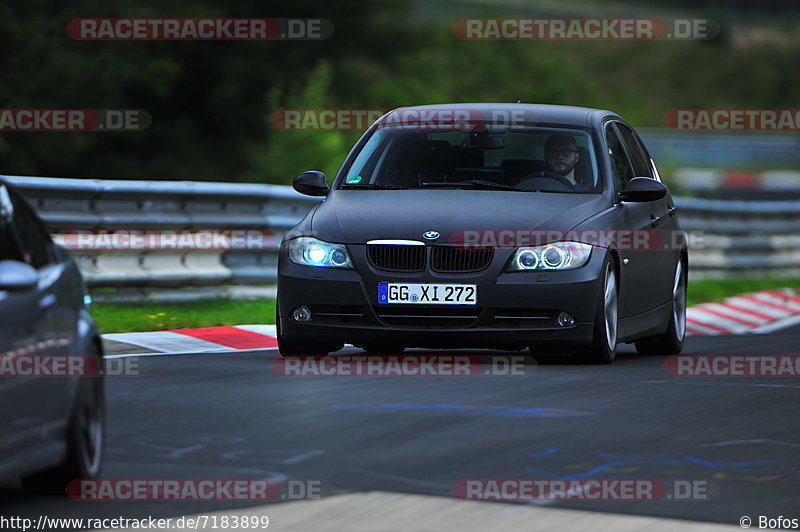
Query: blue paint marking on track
x,y
638,460
469,409
584,474
545,453
727,464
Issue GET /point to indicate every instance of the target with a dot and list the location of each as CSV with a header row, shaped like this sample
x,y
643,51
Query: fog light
x,y
301,314
566,319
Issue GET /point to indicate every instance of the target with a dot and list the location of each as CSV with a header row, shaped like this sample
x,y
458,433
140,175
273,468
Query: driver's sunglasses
x,y
564,153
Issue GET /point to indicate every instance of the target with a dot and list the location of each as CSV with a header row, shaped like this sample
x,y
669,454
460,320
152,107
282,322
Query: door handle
x,y
672,211
656,220
47,301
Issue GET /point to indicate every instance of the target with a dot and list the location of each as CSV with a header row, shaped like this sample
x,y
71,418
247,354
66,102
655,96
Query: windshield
x,y
530,159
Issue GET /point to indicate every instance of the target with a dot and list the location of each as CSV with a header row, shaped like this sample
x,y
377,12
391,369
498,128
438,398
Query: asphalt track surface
x,y
230,416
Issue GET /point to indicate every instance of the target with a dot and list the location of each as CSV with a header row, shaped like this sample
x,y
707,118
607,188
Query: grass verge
x,y
136,317
153,316
703,291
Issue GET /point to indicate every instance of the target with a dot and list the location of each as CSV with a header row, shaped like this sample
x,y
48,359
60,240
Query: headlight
x,y
555,256
312,252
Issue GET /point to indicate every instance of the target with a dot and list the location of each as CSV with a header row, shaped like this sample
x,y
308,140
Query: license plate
x,y
428,294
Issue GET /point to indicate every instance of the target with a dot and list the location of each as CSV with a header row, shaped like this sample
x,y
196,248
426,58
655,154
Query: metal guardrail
x,y
742,237
728,149
92,204
727,237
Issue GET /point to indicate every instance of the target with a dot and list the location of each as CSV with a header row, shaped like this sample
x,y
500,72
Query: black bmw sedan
x,y
487,225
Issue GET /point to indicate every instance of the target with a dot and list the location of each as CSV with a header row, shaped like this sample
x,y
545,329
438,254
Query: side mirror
x,y
16,275
642,189
311,183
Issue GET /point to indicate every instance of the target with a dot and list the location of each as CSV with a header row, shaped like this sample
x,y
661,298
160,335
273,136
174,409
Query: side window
x,y
619,161
9,250
641,163
8,245
36,241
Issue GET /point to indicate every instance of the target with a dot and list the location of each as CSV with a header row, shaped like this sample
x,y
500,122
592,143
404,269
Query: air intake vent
x,y
453,259
433,317
397,257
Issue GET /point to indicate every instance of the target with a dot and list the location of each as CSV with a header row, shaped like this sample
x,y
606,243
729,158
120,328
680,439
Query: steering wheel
x,y
551,175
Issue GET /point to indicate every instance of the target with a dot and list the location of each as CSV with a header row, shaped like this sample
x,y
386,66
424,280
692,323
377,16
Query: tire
x,y
289,349
603,349
671,342
85,440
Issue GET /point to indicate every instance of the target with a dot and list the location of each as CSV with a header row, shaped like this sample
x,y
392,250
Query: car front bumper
x,y
514,310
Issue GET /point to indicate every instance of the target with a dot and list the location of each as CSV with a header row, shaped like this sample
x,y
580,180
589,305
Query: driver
x,y
561,155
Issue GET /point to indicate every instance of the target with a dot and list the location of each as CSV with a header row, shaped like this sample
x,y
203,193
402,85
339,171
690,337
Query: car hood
x,y
357,216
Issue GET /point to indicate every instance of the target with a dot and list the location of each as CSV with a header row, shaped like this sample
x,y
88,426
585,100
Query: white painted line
x,y
184,353
166,341
303,457
266,330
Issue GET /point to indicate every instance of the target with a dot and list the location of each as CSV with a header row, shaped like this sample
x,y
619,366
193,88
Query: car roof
x,y
532,113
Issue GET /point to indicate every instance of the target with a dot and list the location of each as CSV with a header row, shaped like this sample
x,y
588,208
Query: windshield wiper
x,y
479,183
491,185
374,186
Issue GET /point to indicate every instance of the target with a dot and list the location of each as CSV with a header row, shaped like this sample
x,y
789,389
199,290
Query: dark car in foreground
x,y
52,403
487,225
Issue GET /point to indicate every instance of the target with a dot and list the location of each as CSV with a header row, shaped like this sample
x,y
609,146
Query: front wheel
x,y
671,342
85,439
603,348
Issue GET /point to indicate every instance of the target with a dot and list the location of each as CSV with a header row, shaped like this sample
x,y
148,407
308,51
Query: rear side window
x,y
619,160
36,242
9,249
641,166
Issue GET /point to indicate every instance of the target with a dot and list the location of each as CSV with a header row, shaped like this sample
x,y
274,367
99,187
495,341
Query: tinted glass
x,y
36,241
9,250
510,157
641,163
619,161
